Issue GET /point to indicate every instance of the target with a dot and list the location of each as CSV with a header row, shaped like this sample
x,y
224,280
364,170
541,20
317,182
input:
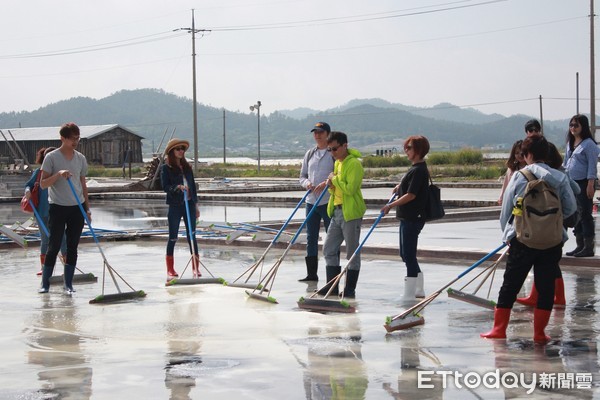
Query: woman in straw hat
x,y
177,180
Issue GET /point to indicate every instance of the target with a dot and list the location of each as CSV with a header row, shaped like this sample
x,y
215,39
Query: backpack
x,y
538,214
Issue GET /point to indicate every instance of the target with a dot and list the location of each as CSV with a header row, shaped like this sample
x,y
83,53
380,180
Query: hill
x,y
370,124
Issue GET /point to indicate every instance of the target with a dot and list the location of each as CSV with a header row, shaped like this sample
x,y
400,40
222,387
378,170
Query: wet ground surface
x,y
211,341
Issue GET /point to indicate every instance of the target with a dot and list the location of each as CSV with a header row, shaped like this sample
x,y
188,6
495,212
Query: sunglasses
x,y
533,130
180,148
407,148
573,125
333,148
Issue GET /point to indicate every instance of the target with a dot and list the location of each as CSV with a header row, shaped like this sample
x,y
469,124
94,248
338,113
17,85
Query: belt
x,y
339,207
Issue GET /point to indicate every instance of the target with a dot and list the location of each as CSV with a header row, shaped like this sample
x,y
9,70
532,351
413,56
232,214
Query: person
x,y
346,208
514,163
553,160
65,216
410,202
177,178
533,127
42,208
522,258
316,167
580,163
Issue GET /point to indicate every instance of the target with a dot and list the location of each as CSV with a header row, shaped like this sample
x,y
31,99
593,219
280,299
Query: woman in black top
x,y
410,203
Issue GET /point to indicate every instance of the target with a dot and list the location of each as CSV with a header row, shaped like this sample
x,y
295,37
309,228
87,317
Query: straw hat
x,y
176,143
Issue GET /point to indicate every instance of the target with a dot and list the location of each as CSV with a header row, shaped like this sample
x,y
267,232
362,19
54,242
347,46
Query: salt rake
x,y
106,298
411,316
250,271
77,278
471,298
266,283
324,304
191,236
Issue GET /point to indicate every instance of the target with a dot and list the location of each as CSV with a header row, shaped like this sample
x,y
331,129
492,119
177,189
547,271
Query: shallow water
x,y
211,341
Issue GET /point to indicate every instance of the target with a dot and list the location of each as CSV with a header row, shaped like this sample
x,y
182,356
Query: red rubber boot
x,y
42,261
170,269
501,317
559,293
540,321
531,300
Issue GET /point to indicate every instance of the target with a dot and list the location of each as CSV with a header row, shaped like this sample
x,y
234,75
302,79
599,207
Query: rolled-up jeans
x,y
338,232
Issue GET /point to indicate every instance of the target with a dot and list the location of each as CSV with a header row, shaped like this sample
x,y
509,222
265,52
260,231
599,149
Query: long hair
x,y
512,163
172,162
585,130
39,156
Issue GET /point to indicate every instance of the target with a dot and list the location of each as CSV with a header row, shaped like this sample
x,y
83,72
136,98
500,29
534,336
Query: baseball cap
x,y
322,126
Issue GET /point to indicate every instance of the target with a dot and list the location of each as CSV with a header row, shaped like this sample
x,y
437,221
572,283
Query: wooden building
x,y
107,145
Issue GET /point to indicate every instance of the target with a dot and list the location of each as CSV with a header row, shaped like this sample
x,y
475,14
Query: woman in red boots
x,y
177,179
522,258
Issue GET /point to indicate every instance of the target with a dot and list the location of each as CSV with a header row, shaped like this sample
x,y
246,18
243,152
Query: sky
x,y
497,56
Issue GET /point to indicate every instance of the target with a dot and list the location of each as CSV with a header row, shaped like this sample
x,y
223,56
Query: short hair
x,y
554,158
419,143
69,129
537,146
533,123
336,136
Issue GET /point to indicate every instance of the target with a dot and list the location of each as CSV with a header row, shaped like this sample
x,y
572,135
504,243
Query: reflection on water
x,y
56,346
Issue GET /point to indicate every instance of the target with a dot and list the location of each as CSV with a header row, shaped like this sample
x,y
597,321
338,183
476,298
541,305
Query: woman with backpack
x,y
580,163
533,248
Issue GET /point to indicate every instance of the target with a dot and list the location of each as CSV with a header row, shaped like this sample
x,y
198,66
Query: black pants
x,y
64,220
518,264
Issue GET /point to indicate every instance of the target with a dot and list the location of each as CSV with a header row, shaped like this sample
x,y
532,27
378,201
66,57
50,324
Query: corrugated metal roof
x,y
51,133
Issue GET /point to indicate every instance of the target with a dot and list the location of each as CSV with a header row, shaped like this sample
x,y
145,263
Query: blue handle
x,y
191,233
484,259
293,213
39,218
312,210
87,220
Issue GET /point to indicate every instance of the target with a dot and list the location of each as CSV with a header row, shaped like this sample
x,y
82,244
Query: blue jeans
x,y
409,238
174,216
313,225
338,232
585,226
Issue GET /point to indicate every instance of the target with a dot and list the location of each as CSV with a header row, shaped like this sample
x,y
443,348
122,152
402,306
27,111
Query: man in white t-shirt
x,y
64,214
316,167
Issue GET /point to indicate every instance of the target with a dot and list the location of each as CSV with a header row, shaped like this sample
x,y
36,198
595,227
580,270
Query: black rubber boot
x,y
579,240
46,274
351,280
68,278
312,266
332,272
588,248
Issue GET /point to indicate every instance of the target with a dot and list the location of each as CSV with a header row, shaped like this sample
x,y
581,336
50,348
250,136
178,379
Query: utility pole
x,y
193,31
541,115
224,142
577,93
592,74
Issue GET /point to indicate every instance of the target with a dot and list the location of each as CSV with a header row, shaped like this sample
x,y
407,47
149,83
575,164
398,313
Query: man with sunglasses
x,y
346,208
533,127
316,167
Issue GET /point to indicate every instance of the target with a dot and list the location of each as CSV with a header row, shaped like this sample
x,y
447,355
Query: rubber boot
x,y
68,279
170,270
46,274
410,287
531,300
312,265
420,291
332,271
42,261
540,321
559,293
501,318
588,248
351,280
579,240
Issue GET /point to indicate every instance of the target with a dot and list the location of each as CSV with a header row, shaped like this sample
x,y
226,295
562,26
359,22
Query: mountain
x,y
370,124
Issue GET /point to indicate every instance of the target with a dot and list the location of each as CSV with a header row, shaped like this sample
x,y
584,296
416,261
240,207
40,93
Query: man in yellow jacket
x,y
346,208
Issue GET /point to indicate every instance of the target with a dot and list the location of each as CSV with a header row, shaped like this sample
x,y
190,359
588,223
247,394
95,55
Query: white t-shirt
x,y
60,193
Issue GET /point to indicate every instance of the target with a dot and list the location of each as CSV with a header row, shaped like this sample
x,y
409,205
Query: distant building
x,y
107,145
